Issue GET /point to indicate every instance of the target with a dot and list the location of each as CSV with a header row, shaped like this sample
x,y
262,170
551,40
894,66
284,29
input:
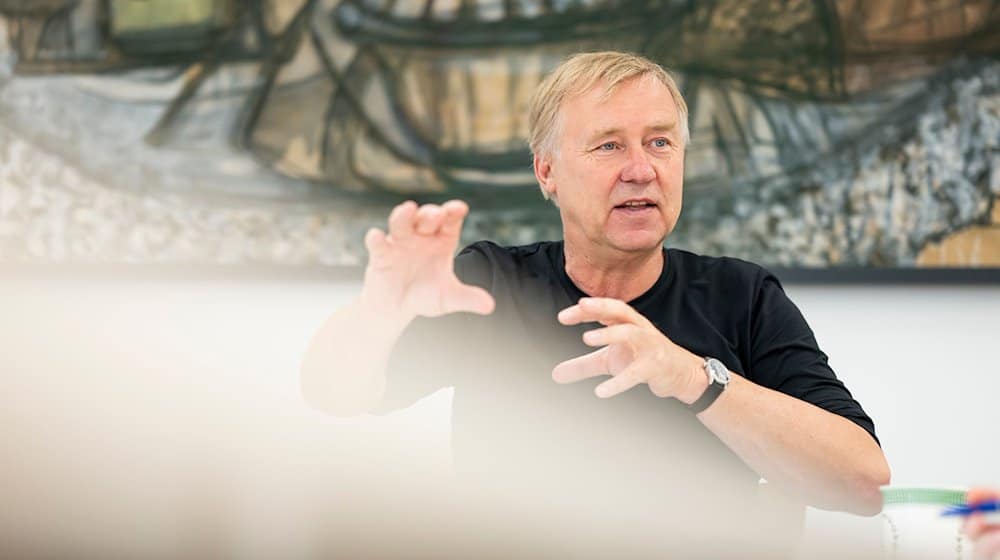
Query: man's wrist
x,y
697,381
385,321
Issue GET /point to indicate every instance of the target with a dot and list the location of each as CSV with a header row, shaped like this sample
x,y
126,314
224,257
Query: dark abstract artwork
x,y
826,135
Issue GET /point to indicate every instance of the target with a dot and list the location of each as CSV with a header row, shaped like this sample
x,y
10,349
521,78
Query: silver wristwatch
x,y
718,378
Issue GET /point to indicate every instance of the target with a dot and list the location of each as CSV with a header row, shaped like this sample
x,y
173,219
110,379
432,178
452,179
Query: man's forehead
x,y
646,82
645,120
656,104
602,92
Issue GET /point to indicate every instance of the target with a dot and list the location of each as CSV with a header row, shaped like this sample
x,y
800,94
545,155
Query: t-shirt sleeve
x,y
431,352
785,356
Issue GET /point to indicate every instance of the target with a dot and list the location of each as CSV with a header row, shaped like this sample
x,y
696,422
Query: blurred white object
x,y
914,529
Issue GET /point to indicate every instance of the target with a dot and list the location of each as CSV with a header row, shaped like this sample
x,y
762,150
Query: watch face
x,y
718,371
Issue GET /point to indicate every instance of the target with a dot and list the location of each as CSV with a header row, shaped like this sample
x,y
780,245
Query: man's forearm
x,y
832,462
343,371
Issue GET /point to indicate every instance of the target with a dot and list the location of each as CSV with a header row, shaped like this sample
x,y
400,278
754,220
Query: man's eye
x,y
608,146
661,143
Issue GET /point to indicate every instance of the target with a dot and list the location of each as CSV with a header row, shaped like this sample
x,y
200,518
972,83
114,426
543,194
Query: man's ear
x,y
543,172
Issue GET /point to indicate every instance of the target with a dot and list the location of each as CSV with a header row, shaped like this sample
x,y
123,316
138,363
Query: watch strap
x,y
718,378
708,397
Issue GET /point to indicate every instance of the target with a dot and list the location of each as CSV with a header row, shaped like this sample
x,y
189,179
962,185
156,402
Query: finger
x,y
979,495
582,367
608,335
618,384
454,213
974,526
469,298
428,219
401,220
607,311
376,243
987,547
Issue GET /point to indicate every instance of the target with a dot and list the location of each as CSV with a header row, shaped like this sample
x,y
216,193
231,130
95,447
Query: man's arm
x,y
825,458
410,273
343,371
832,462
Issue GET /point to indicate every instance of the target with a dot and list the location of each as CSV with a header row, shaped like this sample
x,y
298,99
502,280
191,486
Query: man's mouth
x,y
634,205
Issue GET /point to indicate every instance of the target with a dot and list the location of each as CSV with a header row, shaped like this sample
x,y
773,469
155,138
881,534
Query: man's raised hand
x,y
411,268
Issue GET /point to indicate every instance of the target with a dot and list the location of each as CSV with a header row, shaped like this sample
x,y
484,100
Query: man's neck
x,y
618,275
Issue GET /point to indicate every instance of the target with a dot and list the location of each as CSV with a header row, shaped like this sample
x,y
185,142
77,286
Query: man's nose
x,y
638,169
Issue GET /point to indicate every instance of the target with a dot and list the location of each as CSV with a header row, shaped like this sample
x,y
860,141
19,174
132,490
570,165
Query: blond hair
x,y
578,74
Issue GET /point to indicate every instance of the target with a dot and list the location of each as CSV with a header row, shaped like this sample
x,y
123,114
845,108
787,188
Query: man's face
x,y
618,168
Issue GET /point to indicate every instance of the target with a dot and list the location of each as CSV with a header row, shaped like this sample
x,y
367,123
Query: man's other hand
x,y
633,351
411,268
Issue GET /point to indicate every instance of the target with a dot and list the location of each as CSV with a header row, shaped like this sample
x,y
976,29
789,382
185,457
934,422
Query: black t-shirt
x,y
518,432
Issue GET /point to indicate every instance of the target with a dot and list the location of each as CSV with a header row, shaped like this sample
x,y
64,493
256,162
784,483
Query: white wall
x,y
148,402
921,360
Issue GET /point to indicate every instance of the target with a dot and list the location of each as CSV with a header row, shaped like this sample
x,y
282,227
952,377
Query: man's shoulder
x,y
542,254
490,248
696,268
486,258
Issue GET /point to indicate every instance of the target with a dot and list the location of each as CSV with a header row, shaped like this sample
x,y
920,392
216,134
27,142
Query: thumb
x,y
462,297
975,525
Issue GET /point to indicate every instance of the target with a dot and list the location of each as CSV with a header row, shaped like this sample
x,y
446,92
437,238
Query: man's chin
x,y
636,244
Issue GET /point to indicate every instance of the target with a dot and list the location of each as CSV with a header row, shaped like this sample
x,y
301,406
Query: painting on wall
x,y
828,136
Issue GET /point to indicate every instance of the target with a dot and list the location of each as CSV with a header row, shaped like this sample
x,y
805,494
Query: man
x,y
715,378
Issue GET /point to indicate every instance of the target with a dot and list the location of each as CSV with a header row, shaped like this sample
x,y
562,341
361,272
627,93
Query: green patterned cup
x,y
913,527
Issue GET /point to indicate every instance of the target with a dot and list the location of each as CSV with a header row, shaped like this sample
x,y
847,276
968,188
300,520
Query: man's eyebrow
x,y
665,126
662,126
602,133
